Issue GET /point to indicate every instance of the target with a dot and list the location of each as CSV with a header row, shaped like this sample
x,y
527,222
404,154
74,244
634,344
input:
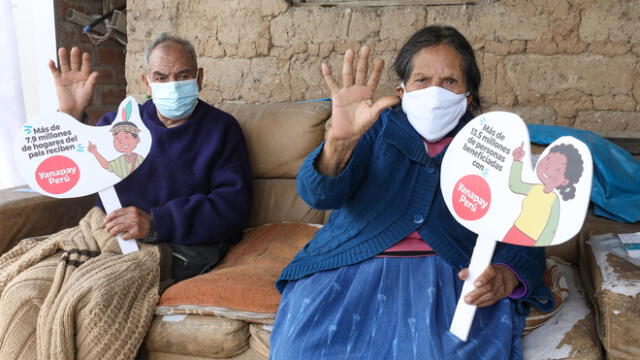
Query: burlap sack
x,y
616,285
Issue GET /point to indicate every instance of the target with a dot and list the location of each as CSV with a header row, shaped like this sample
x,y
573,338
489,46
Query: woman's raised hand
x,y
354,110
74,81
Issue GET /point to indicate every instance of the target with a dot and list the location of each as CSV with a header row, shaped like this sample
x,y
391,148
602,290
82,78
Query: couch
x,y
228,313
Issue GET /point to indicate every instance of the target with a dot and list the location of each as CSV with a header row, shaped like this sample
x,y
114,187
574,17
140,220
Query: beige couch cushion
x,y
259,341
227,339
280,136
247,355
222,302
23,214
200,336
276,200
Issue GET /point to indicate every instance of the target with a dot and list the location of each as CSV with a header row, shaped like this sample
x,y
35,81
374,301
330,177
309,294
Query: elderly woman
x,y
382,278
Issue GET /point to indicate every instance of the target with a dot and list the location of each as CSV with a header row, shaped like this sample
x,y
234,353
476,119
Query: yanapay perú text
x,y
58,176
486,146
470,199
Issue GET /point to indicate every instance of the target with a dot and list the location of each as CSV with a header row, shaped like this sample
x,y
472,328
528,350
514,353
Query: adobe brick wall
x,y
565,62
107,57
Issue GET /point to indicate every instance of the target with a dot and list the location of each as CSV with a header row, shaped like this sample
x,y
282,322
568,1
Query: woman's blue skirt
x,y
388,308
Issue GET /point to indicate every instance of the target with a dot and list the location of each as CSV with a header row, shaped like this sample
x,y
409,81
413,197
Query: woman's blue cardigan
x,y
390,188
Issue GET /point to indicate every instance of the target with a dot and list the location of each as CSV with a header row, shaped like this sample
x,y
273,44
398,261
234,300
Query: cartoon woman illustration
x,y
125,140
559,170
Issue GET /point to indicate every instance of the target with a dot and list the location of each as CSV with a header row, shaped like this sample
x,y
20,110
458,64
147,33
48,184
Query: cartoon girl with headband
x,y
559,170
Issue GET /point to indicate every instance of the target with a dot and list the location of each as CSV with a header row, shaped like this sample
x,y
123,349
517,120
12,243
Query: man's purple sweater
x,y
195,181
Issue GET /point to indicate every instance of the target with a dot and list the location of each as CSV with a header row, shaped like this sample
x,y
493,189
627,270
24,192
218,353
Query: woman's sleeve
x,y
325,192
529,263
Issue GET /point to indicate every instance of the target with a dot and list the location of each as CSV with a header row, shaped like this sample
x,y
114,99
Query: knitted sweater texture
x,y
74,295
390,188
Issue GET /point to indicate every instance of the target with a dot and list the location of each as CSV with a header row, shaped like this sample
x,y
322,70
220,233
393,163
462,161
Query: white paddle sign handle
x,y
111,202
480,260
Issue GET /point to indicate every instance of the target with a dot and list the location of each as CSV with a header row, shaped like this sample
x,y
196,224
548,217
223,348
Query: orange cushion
x,y
245,279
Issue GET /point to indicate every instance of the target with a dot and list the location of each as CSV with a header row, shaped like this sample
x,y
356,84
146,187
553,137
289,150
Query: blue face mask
x,y
175,99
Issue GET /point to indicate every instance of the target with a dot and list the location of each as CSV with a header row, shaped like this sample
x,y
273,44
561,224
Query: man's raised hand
x,y
74,81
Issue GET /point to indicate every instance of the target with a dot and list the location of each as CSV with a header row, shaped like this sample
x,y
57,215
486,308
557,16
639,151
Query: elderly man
x,y
193,190
74,295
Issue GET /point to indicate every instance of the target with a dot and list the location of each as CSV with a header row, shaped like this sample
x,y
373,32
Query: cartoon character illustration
x,y
559,170
125,140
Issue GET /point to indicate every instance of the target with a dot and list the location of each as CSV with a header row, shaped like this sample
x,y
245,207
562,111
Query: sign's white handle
x,y
480,260
111,202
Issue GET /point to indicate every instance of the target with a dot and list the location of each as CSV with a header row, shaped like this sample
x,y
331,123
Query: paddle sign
x,y
60,157
490,187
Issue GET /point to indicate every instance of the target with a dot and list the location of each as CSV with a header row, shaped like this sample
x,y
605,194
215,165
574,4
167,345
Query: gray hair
x,y
164,37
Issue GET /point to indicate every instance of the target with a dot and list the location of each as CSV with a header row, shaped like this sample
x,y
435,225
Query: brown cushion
x,y
276,200
245,279
280,136
555,280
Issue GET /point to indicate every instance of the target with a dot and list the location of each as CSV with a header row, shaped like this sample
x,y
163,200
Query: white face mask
x,y
433,111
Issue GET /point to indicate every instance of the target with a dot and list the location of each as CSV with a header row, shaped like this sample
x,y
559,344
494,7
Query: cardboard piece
x,y
60,157
490,187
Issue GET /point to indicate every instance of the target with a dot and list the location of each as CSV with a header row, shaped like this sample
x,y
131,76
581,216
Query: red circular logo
x,y
57,174
471,197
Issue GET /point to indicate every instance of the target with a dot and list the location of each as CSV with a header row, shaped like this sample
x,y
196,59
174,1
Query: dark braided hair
x,y
572,172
